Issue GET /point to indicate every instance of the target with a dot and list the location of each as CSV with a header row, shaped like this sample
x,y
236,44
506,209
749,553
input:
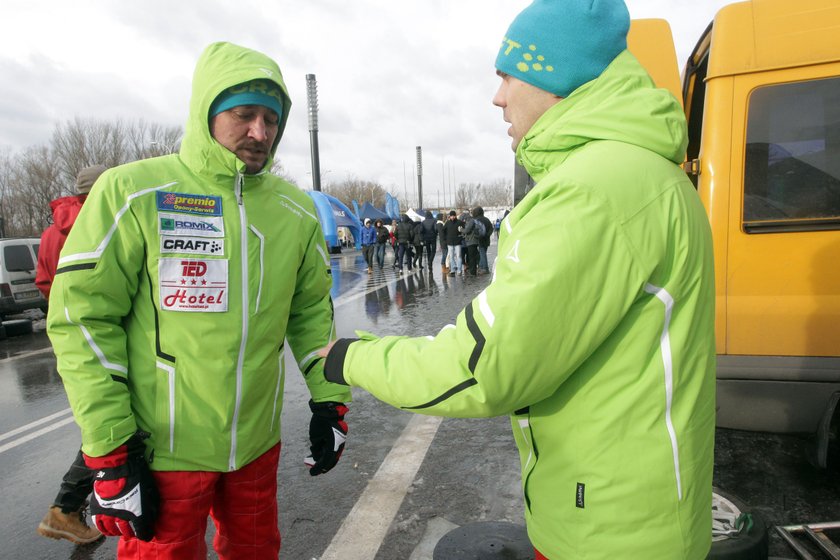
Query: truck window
x,y
792,162
17,258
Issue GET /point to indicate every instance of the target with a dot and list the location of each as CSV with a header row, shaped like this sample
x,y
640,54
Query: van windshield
x,y
18,258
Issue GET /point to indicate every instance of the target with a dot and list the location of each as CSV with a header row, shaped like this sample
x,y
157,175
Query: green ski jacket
x,y
177,289
596,334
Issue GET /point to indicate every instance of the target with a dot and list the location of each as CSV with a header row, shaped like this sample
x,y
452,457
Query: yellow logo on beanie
x,y
529,61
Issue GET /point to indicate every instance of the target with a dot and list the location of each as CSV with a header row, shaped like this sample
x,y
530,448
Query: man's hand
x,y
327,432
326,349
125,496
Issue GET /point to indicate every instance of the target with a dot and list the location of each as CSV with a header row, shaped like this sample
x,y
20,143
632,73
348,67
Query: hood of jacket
x,y
65,210
221,66
622,105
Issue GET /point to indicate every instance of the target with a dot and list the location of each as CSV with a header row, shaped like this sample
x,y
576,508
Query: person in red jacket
x,y
65,519
65,210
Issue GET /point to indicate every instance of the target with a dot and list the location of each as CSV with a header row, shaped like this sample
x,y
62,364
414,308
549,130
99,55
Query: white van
x,y
18,261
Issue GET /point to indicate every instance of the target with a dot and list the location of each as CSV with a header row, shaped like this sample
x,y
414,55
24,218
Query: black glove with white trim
x,y
327,433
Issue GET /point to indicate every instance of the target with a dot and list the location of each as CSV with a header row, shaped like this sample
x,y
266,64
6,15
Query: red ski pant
x,y
242,503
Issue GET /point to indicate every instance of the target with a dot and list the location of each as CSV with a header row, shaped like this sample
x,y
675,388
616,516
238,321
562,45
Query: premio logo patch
x,y
201,205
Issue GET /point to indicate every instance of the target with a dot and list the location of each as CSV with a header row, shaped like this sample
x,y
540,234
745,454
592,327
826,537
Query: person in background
x,y
596,334
472,234
368,241
404,235
382,239
452,234
175,294
484,240
65,519
64,212
417,242
429,238
444,249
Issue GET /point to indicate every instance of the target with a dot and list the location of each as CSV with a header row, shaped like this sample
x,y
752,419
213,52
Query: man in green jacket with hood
x,y
596,334
172,302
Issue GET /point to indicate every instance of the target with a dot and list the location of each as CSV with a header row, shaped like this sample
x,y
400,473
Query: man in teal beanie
x,y
596,334
181,287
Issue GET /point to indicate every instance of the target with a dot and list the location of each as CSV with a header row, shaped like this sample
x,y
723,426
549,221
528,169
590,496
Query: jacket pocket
x,y
278,390
524,437
165,401
261,239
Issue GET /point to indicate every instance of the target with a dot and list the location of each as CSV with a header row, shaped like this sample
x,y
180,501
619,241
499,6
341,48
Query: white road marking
x,y
26,355
31,425
33,435
365,527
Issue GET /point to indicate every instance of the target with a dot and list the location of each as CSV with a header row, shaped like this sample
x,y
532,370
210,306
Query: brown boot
x,y
71,526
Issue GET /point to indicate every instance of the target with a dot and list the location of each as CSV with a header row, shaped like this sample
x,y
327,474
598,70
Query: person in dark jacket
x,y
452,234
484,241
382,239
403,235
429,237
417,241
444,250
471,236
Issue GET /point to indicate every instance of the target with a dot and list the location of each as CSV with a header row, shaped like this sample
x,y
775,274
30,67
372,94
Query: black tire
x,y
17,327
752,540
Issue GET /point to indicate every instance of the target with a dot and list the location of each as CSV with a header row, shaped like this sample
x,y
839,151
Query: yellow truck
x,y
761,92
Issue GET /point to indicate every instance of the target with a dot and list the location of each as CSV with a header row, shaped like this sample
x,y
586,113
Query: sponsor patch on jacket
x,y
194,285
192,245
580,495
202,205
179,224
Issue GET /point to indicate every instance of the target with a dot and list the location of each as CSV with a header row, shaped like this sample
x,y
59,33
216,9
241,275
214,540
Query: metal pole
x,y
419,177
312,100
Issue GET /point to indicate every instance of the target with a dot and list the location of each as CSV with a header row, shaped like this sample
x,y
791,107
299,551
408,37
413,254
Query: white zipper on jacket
x,y
243,234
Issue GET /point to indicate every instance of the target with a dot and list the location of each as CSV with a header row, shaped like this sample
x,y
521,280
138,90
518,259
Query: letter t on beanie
x,y
559,45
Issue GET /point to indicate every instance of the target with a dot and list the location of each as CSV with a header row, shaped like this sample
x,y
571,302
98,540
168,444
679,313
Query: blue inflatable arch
x,y
332,214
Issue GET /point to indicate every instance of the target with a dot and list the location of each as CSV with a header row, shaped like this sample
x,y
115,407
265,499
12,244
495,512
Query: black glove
x,y
125,495
327,432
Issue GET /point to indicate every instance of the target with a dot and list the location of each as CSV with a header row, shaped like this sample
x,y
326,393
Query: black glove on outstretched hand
x,y
125,495
327,432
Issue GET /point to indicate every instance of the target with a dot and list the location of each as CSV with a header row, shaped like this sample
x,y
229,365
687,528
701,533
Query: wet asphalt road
x,y
469,473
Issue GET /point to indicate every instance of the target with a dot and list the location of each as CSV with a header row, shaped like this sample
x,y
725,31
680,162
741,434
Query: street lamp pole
x,y
419,177
312,99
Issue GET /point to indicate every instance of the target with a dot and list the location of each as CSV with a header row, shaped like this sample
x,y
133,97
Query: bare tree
x,y
359,190
497,193
29,180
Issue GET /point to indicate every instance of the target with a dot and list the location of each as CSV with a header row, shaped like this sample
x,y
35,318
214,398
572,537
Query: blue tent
x,y
368,210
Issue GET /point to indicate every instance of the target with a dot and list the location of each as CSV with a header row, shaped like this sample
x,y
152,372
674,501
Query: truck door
x,y
783,258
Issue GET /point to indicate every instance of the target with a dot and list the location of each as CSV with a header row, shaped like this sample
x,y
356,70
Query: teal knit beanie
x,y
255,92
559,45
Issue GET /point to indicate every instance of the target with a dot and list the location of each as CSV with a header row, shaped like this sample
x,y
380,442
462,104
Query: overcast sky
x,y
392,74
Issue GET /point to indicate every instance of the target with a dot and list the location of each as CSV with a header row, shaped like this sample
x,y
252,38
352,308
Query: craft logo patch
x,y
194,285
179,224
192,245
202,205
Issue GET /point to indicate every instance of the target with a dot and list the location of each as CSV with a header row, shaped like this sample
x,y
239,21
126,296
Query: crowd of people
x,y
463,240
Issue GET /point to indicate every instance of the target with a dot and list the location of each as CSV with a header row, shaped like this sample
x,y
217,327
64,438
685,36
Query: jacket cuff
x,y
334,364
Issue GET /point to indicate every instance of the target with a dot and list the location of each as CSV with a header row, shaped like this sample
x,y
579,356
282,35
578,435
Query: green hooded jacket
x,y
596,333
177,288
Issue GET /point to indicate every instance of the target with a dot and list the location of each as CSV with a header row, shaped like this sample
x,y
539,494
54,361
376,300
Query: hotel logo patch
x,y
179,224
202,205
193,285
